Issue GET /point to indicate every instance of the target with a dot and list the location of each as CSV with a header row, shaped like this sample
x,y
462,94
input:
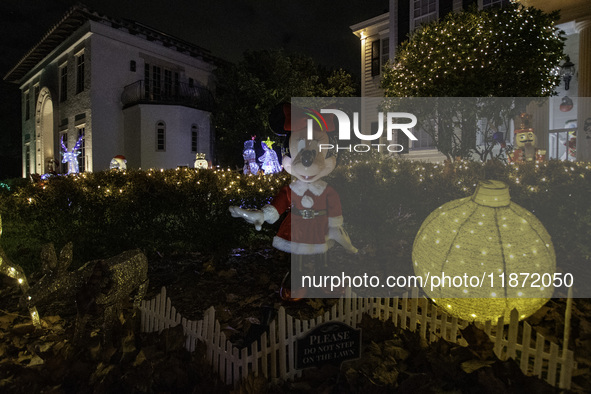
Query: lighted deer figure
x,y
100,289
71,157
15,271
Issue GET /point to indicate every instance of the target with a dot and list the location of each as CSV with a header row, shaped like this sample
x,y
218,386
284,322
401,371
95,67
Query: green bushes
x,y
183,210
399,195
105,213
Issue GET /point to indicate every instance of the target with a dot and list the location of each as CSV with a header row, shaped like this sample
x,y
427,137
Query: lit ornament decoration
x,y
15,271
489,237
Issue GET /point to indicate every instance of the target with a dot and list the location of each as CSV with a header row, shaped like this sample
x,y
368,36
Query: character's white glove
x,y
250,215
339,235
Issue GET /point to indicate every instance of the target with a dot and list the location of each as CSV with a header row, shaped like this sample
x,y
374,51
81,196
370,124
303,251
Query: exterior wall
x,y
114,131
178,121
46,75
544,120
108,131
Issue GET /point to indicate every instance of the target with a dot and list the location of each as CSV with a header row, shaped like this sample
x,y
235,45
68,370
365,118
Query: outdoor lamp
x,y
567,70
474,251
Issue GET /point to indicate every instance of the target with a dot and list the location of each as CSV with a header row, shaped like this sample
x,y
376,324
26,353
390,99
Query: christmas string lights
x,y
15,271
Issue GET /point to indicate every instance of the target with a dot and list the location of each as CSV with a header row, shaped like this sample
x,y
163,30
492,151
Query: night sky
x,y
319,29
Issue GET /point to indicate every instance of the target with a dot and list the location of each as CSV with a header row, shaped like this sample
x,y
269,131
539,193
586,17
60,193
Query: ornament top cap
x,y
492,193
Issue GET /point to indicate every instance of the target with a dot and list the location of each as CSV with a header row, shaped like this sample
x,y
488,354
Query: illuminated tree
x,y
507,52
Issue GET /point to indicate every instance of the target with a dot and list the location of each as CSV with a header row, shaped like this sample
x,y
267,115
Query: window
x,y
132,65
82,150
194,137
147,79
191,82
375,58
156,83
80,73
424,140
494,3
160,83
160,136
27,98
167,83
64,82
423,11
385,51
177,84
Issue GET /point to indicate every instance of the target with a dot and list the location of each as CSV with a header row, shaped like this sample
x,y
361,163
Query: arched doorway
x,y
45,141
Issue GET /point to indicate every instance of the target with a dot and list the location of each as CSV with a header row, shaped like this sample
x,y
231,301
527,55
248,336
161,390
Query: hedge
x,y
186,210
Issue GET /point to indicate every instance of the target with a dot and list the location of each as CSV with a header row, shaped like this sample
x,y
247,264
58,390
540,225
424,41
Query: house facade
x,y
115,87
555,128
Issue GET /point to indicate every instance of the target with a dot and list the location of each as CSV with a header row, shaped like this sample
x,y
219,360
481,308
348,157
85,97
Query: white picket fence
x,y
273,355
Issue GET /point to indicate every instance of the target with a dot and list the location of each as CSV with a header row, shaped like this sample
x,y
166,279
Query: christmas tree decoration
x,y
71,156
118,163
250,157
269,161
488,239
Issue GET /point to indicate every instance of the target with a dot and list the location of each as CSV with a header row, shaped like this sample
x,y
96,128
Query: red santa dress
x,y
313,208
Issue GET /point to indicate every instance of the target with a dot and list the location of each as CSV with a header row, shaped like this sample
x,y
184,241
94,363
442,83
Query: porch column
x,y
584,84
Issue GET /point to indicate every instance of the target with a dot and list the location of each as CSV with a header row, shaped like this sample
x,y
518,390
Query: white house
x,y
554,127
123,87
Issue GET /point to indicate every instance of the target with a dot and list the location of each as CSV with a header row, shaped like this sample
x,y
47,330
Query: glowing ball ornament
x,y
477,251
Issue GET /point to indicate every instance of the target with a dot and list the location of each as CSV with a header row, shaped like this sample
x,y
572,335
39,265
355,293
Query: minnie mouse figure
x,y
314,215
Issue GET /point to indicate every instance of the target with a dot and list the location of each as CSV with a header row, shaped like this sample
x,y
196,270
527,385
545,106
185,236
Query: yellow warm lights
x,y
488,237
16,272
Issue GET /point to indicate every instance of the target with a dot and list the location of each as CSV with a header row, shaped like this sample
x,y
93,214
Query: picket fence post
x,y
276,357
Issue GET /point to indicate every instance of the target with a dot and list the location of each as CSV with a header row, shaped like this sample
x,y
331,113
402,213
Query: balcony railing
x,y
177,94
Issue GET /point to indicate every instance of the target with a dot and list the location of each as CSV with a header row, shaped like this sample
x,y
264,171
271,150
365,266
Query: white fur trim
x,y
335,221
299,187
298,248
271,214
307,202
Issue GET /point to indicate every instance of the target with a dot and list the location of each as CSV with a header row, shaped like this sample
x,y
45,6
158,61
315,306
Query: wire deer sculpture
x,y
71,156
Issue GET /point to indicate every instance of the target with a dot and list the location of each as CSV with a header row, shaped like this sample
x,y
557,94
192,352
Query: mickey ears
x,y
285,118
280,119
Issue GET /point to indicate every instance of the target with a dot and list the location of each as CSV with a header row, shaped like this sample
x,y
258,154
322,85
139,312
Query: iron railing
x,y
175,93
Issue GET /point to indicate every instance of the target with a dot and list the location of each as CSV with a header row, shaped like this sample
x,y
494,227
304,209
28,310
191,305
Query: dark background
x,y
227,28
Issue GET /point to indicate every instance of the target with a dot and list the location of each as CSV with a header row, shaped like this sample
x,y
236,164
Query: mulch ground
x,y
244,289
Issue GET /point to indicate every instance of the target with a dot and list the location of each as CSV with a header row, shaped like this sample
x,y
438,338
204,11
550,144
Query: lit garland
x,y
15,271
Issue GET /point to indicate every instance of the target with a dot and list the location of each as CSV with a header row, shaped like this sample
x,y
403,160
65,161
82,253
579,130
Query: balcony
x,y
168,94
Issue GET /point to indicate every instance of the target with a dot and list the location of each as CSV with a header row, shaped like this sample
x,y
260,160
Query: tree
x,y
508,52
247,91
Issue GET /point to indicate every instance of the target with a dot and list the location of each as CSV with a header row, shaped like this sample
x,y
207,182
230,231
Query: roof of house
x,y
77,16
